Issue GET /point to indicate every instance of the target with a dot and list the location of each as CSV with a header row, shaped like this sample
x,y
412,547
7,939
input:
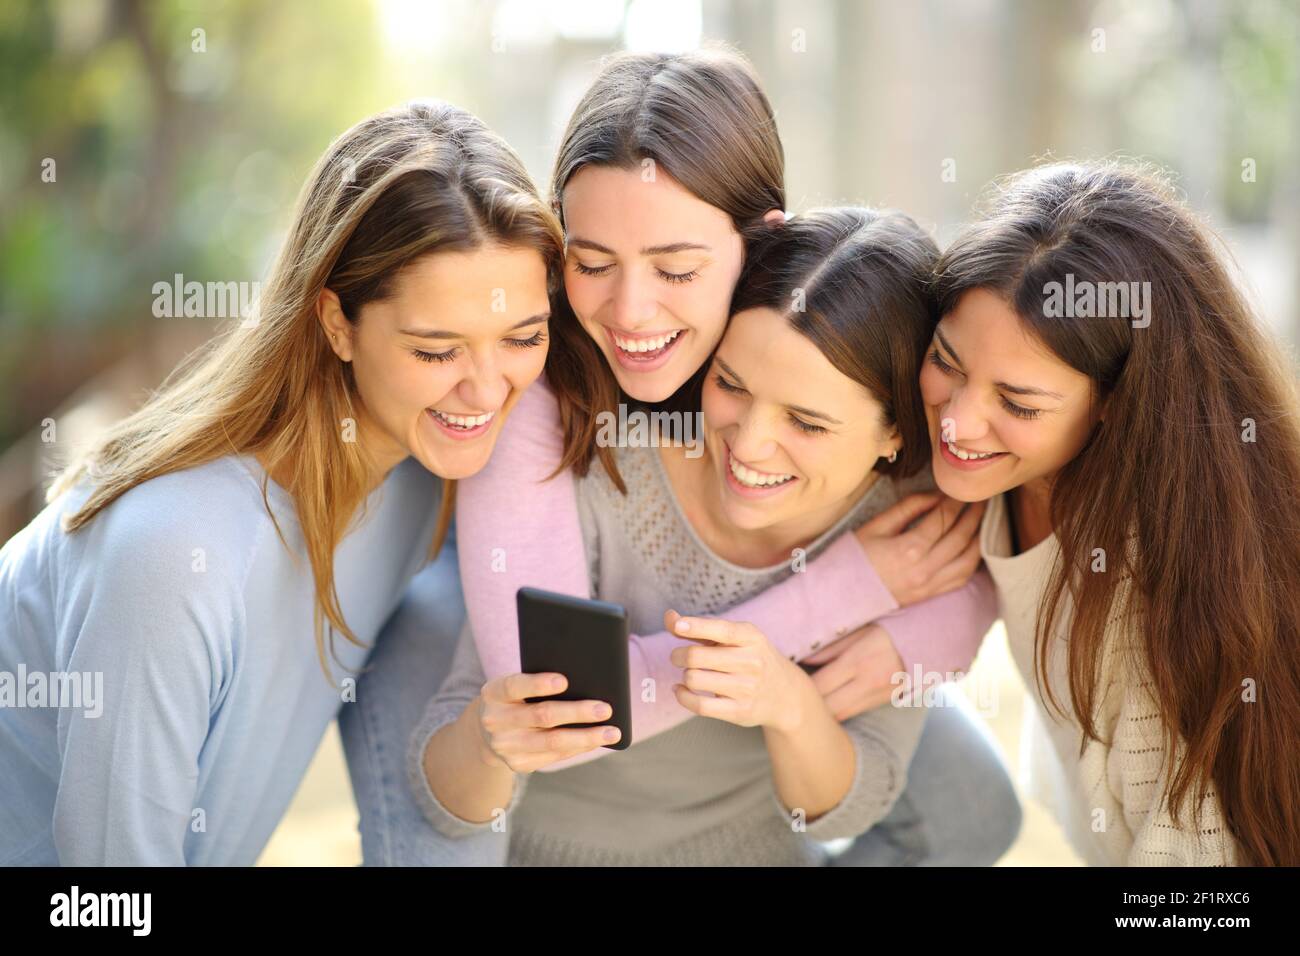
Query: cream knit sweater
x,y
1109,801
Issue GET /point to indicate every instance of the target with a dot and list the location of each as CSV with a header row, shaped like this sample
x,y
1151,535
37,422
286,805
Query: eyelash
x,y
797,422
534,340
673,277
1017,410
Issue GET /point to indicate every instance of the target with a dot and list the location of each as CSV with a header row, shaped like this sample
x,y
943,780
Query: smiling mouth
x,y
462,422
645,348
750,478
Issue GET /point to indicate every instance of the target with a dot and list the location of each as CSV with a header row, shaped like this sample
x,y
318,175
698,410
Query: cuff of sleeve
x,y
943,635
878,780
442,819
845,593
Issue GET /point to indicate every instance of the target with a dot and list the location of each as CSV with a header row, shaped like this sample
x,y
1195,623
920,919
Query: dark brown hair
x,y
1213,574
856,282
702,118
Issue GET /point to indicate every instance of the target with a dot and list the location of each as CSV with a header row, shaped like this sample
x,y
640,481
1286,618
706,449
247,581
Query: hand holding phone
x,y
586,642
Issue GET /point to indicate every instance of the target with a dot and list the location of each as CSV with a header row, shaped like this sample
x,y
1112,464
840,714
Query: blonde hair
x,y
405,183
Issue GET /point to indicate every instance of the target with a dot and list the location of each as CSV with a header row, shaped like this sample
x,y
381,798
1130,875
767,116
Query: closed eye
x,y
592,270
726,386
1017,410
804,426
534,340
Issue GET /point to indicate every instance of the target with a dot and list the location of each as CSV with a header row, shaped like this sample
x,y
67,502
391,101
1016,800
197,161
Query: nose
x,y
961,419
633,303
754,441
485,388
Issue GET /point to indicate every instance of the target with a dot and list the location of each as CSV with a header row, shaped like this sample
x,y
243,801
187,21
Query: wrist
x,y
474,719
801,707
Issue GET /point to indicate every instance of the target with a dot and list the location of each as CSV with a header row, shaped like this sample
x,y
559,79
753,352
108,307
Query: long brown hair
x,y
1196,460
703,119
855,282
406,183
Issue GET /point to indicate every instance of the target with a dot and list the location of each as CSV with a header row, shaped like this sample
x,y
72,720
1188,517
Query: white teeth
x,y
969,456
463,421
645,345
754,479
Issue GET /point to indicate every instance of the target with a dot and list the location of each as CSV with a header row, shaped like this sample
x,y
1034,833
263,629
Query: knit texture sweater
x,y
1109,801
702,792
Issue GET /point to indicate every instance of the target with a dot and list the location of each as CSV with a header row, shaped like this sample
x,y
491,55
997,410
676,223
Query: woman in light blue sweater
x,y
165,620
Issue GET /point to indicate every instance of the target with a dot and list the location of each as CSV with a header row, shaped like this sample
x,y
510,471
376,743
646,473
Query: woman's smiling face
x,y
442,359
649,272
1003,410
790,437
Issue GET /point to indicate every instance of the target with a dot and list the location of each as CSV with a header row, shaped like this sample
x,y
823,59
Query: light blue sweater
x,y
202,698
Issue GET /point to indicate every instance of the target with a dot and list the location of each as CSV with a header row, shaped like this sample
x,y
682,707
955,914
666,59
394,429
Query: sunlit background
x,y
140,140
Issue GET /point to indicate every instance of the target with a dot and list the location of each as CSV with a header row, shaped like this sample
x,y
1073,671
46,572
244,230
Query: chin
x,y
963,488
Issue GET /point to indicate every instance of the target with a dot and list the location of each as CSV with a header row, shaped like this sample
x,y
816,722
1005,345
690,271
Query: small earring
x,y
893,456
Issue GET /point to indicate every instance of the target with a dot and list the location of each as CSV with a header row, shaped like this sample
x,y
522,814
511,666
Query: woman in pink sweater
x,y
684,149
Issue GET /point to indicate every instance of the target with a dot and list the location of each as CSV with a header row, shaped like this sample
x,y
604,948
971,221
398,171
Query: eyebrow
x,y
1005,386
443,334
664,250
794,408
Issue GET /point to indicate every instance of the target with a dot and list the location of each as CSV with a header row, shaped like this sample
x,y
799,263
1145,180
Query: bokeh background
x,y
140,140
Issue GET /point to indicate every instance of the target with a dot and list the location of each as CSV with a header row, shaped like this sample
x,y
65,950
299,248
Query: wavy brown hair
x,y
403,184
702,118
1214,517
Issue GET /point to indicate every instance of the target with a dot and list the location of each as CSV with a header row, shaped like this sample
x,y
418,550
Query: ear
x,y
774,215
338,330
893,442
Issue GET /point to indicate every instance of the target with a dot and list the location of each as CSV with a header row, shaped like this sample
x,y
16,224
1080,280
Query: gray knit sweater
x,y
700,793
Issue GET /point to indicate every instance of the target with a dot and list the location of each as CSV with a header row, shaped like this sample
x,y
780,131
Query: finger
x,y
957,572
554,713
938,520
715,657
565,742
895,519
957,537
833,676
719,708
735,686
714,629
857,697
516,688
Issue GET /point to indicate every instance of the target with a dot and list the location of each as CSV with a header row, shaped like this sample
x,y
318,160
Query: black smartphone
x,y
584,640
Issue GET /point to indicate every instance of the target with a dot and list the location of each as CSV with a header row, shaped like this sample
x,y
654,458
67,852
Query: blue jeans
x,y
958,809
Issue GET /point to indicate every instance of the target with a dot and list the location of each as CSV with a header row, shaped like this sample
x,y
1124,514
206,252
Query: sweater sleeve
x,y
518,527
943,634
884,740
464,682
158,634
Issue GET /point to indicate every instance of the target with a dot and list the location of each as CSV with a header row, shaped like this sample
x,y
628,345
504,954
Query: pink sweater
x,y
514,528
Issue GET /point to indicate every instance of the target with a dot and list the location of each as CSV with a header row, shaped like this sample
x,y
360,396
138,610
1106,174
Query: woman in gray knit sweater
x,y
813,384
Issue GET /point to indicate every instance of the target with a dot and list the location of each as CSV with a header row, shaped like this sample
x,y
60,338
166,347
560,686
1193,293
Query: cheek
x,y
584,294
935,387
720,410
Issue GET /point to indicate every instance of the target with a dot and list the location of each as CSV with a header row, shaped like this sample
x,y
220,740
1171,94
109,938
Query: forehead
x,y
988,335
786,366
505,283
600,201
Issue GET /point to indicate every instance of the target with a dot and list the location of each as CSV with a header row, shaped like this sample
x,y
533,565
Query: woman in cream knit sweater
x,y
1097,377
